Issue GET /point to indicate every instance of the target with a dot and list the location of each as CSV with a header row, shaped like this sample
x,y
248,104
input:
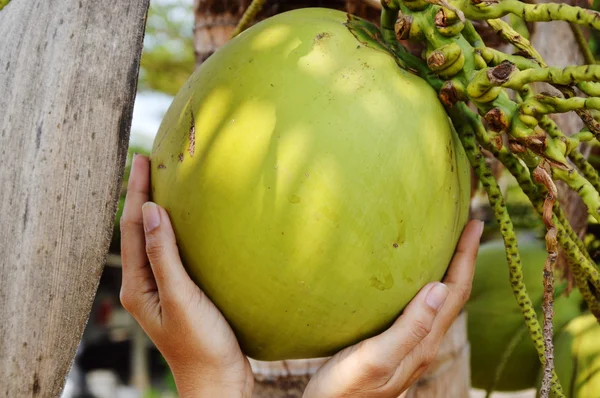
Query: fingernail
x,y
480,225
437,296
151,216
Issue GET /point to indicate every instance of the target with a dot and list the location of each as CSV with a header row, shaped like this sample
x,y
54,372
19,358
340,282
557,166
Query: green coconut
x,y
577,357
495,321
314,186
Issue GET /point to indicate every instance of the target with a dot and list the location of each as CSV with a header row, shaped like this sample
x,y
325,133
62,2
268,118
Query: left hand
x,y
186,327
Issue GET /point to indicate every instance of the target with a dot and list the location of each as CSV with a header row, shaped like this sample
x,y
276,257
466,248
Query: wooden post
x,y
68,76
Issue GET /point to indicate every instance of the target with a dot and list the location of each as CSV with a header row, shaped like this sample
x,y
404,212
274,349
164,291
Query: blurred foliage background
x,y
168,55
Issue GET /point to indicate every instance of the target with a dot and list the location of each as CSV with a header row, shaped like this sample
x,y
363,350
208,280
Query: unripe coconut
x,y
495,318
577,357
314,186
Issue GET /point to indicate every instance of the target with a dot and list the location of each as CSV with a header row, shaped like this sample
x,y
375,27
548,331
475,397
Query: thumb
x,y
162,252
412,327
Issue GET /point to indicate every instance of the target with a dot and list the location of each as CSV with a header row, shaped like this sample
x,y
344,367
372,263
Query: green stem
x,y
590,88
546,104
514,343
470,34
584,189
583,44
389,15
484,173
529,12
588,171
495,57
516,39
559,76
251,12
581,263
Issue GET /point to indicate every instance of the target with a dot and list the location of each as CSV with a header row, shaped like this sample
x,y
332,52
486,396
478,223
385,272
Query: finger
x,y
163,254
459,278
137,276
392,346
133,253
462,267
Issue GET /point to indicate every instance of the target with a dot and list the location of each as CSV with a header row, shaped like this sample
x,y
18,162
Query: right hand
x,y
386,365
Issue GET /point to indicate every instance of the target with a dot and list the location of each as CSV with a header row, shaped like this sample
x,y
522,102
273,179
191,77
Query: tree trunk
x,y
68,79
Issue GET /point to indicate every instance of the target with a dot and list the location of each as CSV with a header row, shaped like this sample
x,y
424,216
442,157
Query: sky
x,y
148,110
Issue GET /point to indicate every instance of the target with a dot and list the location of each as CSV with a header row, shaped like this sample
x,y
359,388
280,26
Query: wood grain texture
x,y
68,76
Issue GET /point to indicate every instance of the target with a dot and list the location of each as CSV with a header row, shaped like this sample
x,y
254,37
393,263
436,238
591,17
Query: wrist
x,y
209,391
200,383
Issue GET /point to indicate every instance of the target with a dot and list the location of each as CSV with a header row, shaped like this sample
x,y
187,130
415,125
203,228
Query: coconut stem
x,y
588,171
460,57
251,12
583,267
514,38
546,104
582,43
579,184
477,10
541,176
513,344
553,75
484,173
495,57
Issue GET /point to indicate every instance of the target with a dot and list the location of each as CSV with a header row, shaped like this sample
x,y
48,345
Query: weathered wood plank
x,y
68,76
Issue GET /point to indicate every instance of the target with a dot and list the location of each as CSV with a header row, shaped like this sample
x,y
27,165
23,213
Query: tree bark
x,y
68,76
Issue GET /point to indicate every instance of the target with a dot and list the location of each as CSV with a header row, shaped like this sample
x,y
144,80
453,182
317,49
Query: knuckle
x,y
174,303
420,329
464,292
127,224
374,371
428,359
128,300
155,249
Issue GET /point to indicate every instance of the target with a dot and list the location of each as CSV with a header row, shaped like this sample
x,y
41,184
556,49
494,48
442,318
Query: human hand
x,y
187,328
387,364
